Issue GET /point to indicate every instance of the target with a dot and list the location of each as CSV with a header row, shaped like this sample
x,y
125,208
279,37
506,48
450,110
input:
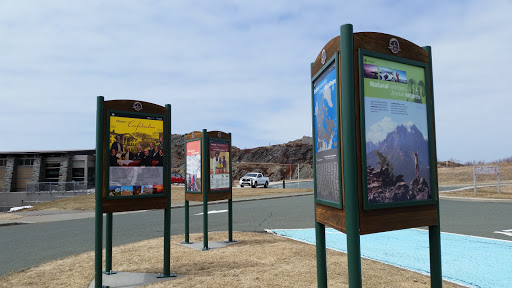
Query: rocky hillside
x,y
273,161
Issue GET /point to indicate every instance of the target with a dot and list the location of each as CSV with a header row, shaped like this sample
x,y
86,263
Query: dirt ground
x,y
259,260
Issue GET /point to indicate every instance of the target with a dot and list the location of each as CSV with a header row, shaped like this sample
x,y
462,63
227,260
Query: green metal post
x,y
434,237
108,244
205,172
230,219
321,258
187,221
434,232
98,225
230,201
167,211
349,156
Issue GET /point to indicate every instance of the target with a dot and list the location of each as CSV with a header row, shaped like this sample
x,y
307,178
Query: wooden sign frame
x,y
136,202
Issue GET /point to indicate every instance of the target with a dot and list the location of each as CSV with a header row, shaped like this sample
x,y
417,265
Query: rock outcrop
x,y
274,161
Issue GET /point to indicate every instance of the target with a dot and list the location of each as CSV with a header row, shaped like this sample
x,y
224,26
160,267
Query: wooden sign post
x,y
133,156
374,150
208,172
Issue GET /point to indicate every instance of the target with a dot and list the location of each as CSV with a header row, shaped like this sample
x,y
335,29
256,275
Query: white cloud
x,y
237,66
378,131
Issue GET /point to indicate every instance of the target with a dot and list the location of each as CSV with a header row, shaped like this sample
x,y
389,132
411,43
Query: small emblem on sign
x,y
219,134
137,106
324,57
394,46
193,135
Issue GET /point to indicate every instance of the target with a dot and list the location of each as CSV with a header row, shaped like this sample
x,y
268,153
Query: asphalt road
x,y
23,246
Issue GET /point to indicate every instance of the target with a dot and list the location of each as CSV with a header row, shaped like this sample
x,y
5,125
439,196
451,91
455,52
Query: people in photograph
x,y
113,158
117,144
224,165
161,160
140,154
146,159
151,148
161,144
219,161
214,163
128,155
156,157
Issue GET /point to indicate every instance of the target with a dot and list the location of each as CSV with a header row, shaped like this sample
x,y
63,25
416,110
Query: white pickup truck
x,y
254,179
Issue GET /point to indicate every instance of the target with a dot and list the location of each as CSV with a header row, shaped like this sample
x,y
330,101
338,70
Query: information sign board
x,y
397,158
220,176
193,164
136,155
326,135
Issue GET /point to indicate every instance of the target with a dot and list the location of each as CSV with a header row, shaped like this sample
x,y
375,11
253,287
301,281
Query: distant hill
x,y
274,161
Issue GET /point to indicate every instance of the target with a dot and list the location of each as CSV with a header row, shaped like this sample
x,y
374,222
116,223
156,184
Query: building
x,y
38,170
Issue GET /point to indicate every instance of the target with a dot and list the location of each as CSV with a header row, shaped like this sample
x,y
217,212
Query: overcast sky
x,y
238,66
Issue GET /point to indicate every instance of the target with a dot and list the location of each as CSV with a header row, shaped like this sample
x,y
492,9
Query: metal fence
x,y
49,187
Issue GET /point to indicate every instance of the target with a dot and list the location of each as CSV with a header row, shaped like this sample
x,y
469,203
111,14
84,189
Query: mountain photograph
x,y
398,167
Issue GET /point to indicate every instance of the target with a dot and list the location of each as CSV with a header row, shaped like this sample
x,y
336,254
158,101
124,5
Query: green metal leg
x,y
321,258
187,221
108,244
230,220
98,243
167,245
434,236
205,226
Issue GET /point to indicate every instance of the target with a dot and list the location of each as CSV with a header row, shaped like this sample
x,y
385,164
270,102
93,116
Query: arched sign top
x,y
193,135
379,42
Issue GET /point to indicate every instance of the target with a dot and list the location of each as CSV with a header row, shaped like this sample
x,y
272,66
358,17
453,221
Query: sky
x,y
238,66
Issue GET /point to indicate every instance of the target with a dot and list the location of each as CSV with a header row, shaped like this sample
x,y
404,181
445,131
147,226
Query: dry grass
x,y
87,202
260,260
464,175
6,216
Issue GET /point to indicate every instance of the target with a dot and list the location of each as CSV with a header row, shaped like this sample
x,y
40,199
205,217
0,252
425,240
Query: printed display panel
x,y
136,155
326,128
396,132
193,177
219,165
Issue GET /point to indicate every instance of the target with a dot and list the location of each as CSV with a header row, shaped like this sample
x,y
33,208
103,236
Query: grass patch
x,y
260,260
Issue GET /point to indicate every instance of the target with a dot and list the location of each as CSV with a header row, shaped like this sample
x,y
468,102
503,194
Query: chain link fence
x,y
49,187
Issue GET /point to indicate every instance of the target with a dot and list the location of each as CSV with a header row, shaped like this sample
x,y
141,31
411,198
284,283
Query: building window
x,y
51,172
26,161
3,162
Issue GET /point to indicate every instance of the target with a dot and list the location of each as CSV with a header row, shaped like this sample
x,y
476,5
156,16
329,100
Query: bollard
x,y
283,184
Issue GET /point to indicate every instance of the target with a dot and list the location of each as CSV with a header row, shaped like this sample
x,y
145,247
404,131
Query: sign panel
x,y
193,177
326,127
396,129
487,170
219,165
136,154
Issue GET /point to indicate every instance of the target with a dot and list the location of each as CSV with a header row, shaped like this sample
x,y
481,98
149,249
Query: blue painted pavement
x,y
468,260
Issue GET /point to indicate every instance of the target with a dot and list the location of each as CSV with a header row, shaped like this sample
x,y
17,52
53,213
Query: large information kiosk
x,y
374,143
208,176
133,156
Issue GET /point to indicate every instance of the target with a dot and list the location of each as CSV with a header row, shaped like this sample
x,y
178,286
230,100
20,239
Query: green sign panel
x,y
397,158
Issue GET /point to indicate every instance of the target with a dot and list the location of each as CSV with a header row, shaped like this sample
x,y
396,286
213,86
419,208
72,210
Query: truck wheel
x,y
266,185
255,184
242,185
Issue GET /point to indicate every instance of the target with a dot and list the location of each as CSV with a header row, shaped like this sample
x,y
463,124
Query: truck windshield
x,y
251,175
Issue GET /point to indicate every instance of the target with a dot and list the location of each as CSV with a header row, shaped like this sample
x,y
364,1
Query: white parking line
x,y
212,212
505,232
